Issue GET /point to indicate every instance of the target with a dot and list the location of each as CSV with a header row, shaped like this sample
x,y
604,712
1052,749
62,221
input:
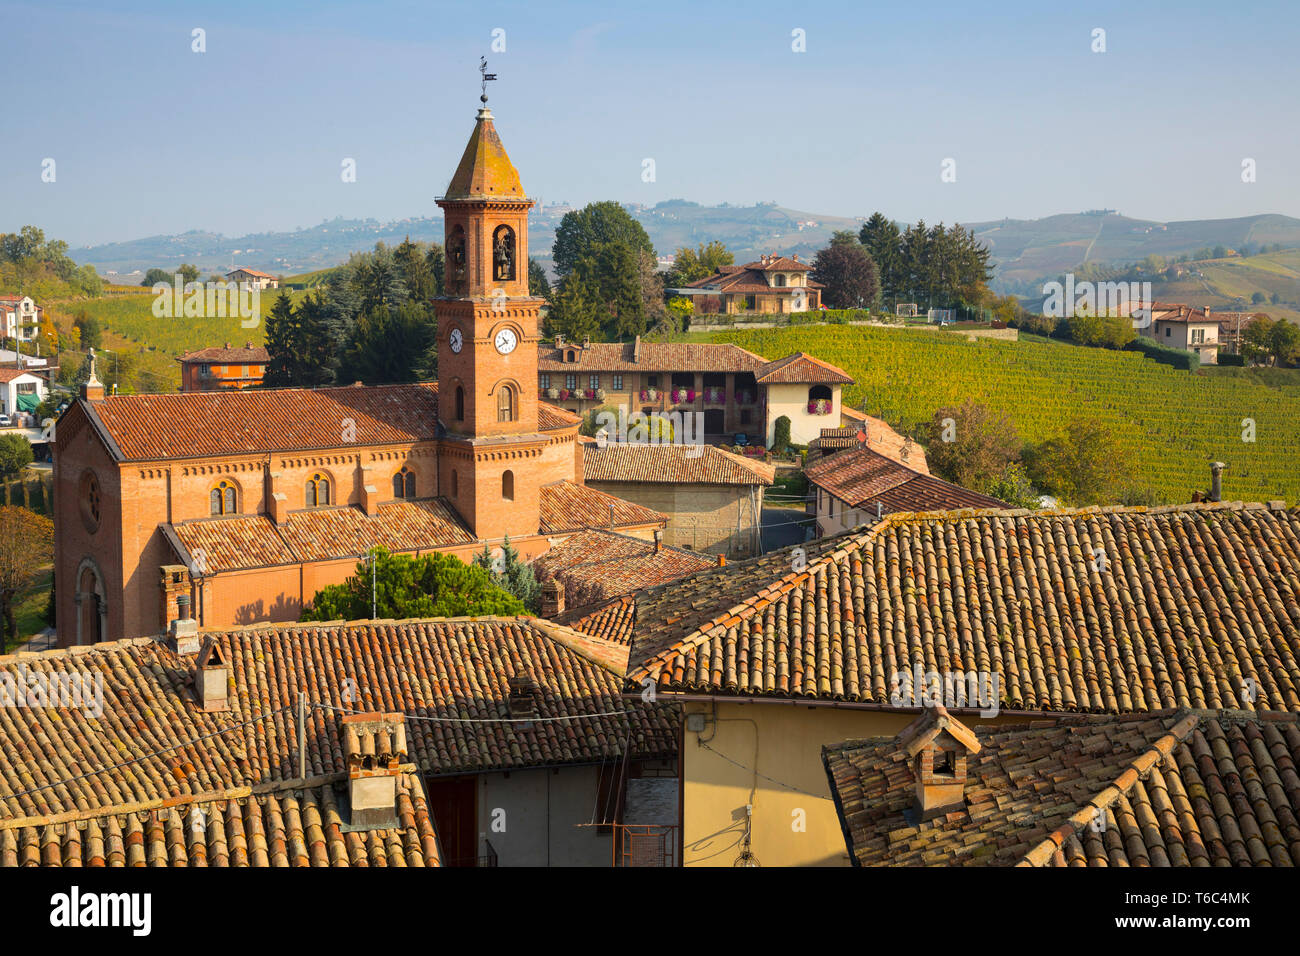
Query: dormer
x,y
937,746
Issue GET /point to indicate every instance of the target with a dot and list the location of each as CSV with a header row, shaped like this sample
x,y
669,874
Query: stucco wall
x,y
792,401
532,817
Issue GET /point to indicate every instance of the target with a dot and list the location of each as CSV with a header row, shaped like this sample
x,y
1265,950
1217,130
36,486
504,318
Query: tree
x,y
188,273
574,311
431,585
281,344
1257,298
690,265
154,276
302,342
884,244
26,547
538,284
971,445
581,230
391,345
781,434
1014,487
412,261
88,328
512,575
848,274
15,454
1084,465
1106,331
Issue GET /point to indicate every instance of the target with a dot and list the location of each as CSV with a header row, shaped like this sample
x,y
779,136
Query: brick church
x,y
237,506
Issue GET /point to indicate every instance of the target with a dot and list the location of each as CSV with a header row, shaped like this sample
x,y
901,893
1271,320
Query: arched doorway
x,y
92,606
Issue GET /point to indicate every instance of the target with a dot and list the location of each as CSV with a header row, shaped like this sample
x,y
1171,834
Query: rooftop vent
x,y
374,745
522,702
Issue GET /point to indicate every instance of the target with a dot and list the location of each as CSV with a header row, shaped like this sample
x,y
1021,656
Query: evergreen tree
x,y
512,575
390,344
282,343
538,284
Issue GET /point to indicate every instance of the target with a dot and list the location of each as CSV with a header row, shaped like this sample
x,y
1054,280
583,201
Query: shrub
x,y
781,434
1178,358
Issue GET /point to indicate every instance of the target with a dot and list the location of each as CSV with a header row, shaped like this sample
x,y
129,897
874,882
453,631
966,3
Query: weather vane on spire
x,y
482,68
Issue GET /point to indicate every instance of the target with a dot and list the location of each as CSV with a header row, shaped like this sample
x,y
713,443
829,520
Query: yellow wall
x,y
789,741
792,401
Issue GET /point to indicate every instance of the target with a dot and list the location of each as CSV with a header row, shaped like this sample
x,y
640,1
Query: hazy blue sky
x,y
150,137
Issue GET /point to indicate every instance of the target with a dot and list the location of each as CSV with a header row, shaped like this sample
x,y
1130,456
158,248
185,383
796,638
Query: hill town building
x,y
238,505
223,367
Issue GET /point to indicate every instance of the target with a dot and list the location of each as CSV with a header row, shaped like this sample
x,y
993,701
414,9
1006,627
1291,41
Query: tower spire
x,y
486,78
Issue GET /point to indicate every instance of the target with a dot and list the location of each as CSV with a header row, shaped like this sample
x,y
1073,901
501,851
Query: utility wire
x,y
485,720
779,783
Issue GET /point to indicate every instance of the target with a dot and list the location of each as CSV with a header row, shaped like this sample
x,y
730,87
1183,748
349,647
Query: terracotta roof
x,y
251,272
318,534
650,357
149,728
595,566
566,507
286,826
879,438
861,477
247,355
235,421
485,171
9,374
778,264
553,417
613,622
672,464
1185,788
802,369
1103,609
1175,312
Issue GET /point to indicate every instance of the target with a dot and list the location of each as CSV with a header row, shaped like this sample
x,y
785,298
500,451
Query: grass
x,y
29,615
1172,423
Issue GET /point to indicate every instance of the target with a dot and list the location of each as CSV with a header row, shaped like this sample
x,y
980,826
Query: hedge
x,y
1178,358
1227,358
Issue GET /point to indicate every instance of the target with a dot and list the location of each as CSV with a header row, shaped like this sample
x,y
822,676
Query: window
x,y
404,483
506,404
945,762
1168,330
779,280
460,404
508,485
91,501
595,381
751,301
618,383
26,388
652,381
318,490
221,500
546,381
503,254
570,382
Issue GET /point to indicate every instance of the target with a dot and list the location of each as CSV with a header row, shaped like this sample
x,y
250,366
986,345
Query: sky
x,y
150,137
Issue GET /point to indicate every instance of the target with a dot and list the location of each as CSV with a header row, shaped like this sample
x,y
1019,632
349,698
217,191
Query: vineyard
x,y
1174,422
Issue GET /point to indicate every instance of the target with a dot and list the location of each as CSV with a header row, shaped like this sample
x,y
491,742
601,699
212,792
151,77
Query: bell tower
x,y
488,332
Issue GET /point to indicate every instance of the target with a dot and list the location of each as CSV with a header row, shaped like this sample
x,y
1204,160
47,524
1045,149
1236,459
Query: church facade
x,y
237,506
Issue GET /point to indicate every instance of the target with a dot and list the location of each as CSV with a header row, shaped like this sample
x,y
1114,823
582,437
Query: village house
x,y
20,317
860,430
770,284
859,484
1185,327
504,743
223,367
243,503
1007,615
735,391
20,391
255,279
712,498
1087,791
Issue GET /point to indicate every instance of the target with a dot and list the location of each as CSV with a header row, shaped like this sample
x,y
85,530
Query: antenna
x,y
487,77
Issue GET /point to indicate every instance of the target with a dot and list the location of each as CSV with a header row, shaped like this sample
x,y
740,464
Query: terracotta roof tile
x,y
566,507
650,357
801,368
248,355
862,477
596,566
672,464
1186,788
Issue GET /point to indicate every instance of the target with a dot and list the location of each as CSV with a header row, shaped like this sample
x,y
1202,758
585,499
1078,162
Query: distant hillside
x,y
1027,252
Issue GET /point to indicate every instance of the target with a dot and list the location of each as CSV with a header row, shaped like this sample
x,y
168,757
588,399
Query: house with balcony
x,y
1185,327
771,284
20,317
736,391
206,370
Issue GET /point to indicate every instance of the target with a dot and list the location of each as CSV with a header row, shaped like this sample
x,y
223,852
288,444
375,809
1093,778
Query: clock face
x,y
456,341
506,341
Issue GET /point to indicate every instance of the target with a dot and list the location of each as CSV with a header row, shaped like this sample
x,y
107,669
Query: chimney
x,y
374,745
659,540
559,339
227,345
211,677
521,700
1216,481
937,746
722,560
552,598
636,350
586,341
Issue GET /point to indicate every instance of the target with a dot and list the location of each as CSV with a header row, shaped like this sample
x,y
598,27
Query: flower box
x,y
591,393
819,407
564,394
714,396
552,392
600,394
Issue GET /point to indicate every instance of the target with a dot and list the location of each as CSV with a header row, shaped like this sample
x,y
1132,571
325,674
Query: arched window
x,y
222,499
779,280
456,256
404,483
506,404
318,490
503,254
819,392
455,484
508,485
460,404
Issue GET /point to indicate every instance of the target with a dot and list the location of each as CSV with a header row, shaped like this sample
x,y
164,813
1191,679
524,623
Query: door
x,y
453,802
715,421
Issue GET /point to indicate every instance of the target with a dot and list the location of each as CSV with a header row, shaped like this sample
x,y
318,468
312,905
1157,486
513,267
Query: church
x,y
236,506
